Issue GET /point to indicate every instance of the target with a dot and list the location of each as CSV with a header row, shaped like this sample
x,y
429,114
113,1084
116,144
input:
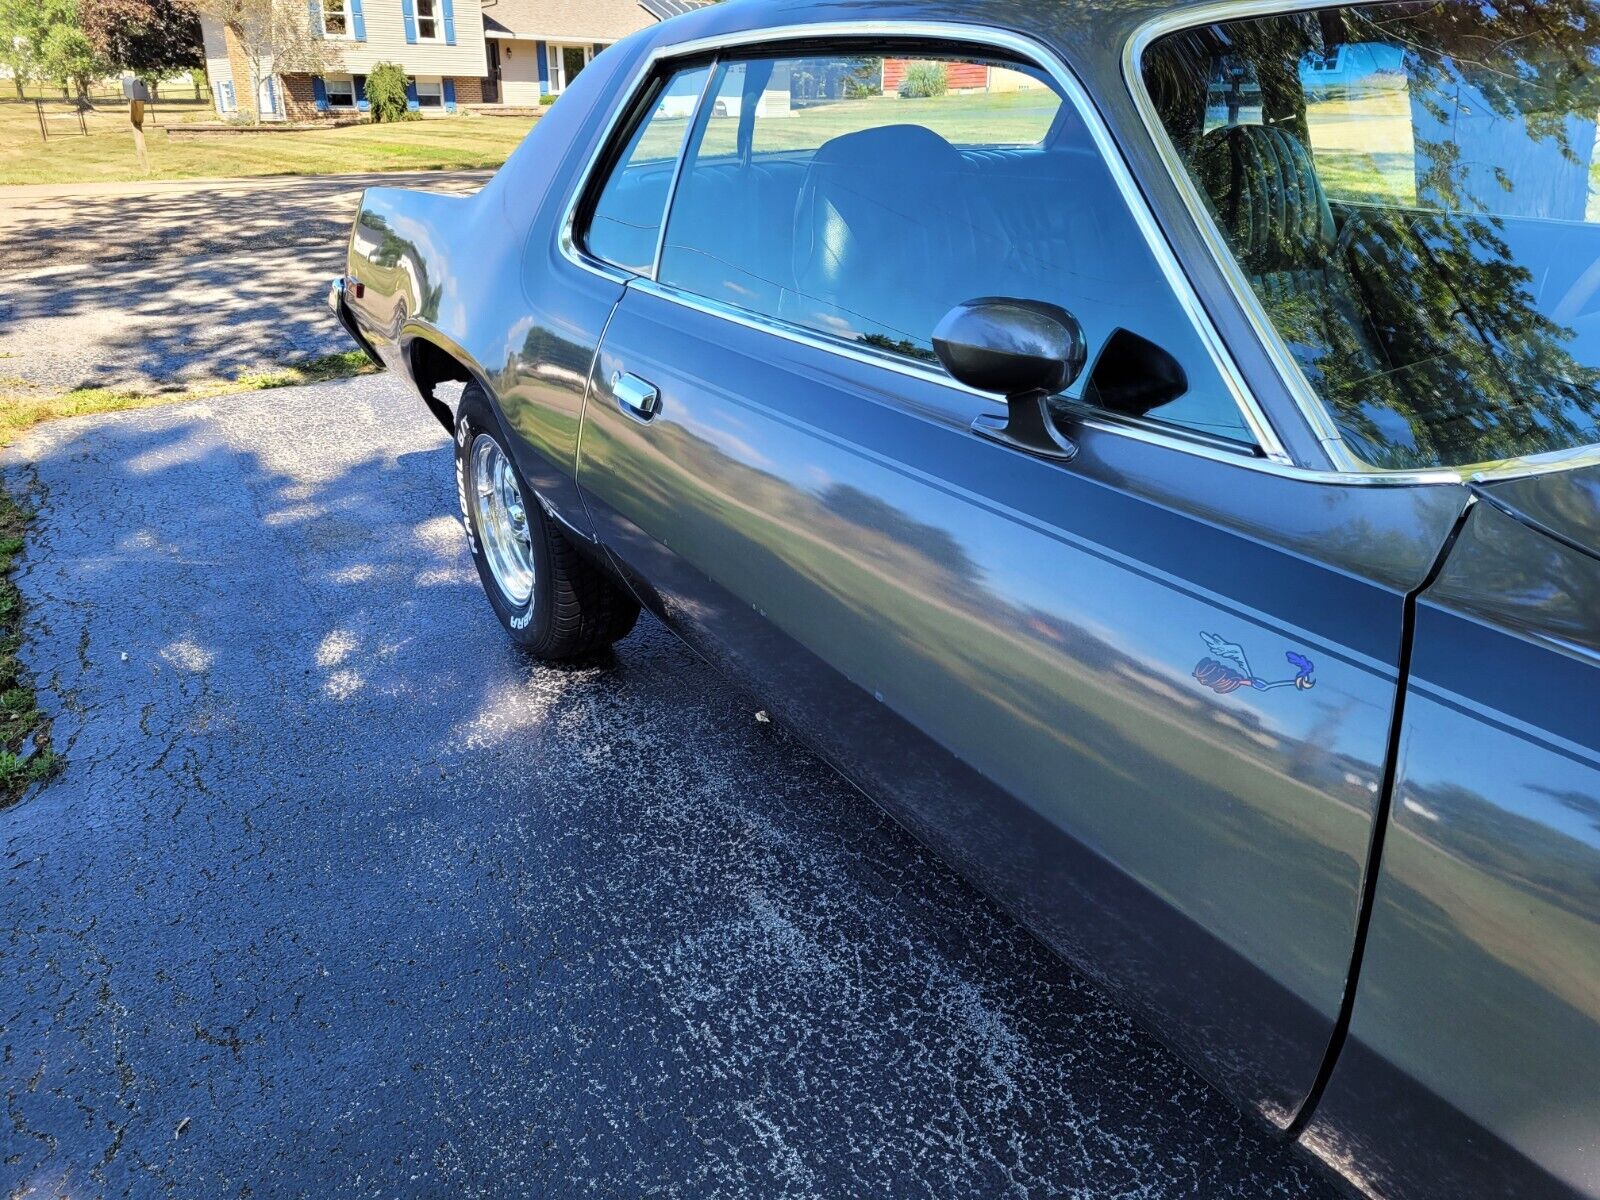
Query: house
x,y
537,47
455,52
438,42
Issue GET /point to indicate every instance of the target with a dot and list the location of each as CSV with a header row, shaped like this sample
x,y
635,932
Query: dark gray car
x,y
1151,450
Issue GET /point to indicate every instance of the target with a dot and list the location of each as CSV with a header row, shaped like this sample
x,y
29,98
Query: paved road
x,y
150,286
341,896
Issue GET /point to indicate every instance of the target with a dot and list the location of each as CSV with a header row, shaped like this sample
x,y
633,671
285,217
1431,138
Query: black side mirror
x,y
1024,350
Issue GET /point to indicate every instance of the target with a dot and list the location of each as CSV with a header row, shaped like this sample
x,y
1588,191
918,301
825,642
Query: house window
x,y
427,20
430,93
341,90
335,20
565,63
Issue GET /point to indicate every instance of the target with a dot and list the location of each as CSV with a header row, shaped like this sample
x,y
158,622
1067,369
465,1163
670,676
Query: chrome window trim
x,y
1198,444
1270,446
713,68
1294,379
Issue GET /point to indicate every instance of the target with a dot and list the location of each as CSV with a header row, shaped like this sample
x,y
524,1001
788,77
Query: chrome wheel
x,y
502,520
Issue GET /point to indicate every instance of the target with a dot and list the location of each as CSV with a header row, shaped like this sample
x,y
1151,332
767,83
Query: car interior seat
x,y
889,235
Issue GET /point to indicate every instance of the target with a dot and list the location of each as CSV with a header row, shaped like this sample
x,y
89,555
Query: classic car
x,y
1150,448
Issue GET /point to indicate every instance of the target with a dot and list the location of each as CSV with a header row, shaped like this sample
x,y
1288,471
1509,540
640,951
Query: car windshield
x,y
1410,191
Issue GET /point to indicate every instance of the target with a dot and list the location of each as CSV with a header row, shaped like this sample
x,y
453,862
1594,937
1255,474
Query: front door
x,y
491,82
1144,696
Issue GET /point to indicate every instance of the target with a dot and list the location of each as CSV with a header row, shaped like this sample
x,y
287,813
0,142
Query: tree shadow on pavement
x,y
151,291
340,894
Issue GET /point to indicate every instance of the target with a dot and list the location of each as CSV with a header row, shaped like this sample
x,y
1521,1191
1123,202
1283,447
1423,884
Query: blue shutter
x,y
544,66
409,11
315,7
319,93
449,86
411,89
359,82
358,20
449,23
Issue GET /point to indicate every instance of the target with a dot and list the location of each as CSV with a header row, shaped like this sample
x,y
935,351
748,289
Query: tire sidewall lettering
x,y
463,440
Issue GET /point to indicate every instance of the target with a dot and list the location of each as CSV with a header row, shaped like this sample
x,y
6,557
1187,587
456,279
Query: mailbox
x,y
135,89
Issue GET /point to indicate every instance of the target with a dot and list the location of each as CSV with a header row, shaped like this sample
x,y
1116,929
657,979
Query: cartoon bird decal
x,y
1226,669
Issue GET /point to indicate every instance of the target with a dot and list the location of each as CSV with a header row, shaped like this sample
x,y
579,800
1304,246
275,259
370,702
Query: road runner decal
x,y
1226,669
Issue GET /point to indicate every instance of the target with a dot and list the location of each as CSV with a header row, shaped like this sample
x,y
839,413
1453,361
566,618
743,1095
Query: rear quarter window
x,y
625,223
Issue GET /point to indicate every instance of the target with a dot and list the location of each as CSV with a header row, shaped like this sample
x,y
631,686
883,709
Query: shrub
x,y
386,93
924,79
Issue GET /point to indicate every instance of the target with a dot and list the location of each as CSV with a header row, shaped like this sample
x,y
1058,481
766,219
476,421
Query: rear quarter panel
x,y
1473,1063
482,277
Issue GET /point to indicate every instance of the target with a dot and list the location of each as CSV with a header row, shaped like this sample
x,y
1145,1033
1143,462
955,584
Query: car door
x,y
1143,696
1474,1046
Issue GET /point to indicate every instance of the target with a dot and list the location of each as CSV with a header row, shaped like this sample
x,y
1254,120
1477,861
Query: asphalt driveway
x,y
340,896
149,286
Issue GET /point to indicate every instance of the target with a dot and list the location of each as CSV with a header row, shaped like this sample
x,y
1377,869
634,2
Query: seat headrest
x,y
1263,188
864,189
889,150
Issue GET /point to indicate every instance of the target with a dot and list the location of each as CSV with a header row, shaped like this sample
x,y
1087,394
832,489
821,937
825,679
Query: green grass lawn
x,y
964,118
1365,150
106,152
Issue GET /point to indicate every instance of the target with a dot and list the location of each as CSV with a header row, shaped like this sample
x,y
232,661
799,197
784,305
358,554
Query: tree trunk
x,y
254,60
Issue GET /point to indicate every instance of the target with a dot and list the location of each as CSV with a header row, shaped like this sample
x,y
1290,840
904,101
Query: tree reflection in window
x,y
1447,313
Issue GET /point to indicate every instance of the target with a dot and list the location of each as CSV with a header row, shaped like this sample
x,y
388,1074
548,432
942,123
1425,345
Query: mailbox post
x,y
138,93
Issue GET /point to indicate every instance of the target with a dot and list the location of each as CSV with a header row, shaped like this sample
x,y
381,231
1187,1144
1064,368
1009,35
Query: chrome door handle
x,y
635,396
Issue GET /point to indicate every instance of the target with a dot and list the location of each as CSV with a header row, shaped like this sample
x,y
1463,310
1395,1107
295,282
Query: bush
x,y
924,79
386,93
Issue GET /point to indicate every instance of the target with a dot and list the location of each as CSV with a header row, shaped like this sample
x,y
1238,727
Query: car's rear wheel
x,y
550,599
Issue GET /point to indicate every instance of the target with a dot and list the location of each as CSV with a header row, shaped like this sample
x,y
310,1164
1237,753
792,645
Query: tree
x,y
18,47
25,27
67,57
386,93
274,35
151,38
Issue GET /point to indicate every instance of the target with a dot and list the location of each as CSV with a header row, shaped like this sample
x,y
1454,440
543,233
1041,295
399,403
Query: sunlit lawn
x,y
107,152
1364,148
963,118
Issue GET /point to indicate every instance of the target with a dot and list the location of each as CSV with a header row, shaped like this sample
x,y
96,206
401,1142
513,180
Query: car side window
x,y
863,197
625,224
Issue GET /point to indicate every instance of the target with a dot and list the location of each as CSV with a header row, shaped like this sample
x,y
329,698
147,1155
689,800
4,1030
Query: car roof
x,y
1090,35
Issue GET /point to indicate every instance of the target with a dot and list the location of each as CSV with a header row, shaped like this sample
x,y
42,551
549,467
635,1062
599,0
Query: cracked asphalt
x,y
340,896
